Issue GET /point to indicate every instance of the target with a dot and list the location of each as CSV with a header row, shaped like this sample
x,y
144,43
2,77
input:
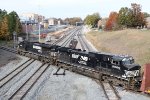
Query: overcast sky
x,y
69,8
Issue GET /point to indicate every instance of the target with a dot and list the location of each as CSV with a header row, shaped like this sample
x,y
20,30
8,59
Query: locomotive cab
x,y
130,68
129,60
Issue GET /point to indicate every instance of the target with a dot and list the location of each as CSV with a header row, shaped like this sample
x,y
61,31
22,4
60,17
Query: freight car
x,y
117,69
73,43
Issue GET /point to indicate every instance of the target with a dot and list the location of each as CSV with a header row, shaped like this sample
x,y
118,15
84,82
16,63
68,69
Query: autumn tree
x,y
9,23
72,21
3,24
4,30
112,22
131,17
92,20
138,16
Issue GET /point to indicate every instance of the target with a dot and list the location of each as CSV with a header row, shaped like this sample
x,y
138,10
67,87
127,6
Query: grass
x,y
130,41
8,43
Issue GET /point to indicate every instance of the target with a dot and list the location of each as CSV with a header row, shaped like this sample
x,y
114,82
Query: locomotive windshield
x,y
127,61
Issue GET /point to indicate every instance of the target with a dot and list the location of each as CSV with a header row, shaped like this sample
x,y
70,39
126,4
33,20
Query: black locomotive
x,y
111,66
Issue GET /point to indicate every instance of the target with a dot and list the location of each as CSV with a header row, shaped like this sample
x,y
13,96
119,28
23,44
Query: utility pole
x,y
39,23
39,31
26,30
15,38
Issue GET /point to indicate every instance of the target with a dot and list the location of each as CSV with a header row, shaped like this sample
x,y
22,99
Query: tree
x,y
2,14
3,24
112,21
18,28
92,20
9,23
131,17
138,16
72,21
14,23
4,30
125,17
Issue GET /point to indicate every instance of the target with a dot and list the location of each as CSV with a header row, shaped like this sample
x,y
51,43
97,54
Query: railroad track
x,y
65,36
21,92
60,39
8,49
82,42
109,90
28,84
67,41
15,72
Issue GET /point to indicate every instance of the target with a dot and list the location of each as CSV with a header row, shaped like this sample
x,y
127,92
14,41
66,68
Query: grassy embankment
x,y
131,41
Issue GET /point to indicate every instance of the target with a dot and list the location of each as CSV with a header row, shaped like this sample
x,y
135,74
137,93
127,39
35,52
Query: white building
x,y
148,22
32,16
52,21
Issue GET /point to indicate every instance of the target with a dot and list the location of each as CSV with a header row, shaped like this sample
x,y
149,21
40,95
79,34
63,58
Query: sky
x,y
69,8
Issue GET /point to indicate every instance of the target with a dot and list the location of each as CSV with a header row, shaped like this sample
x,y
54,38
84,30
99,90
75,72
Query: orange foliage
x,y
112,21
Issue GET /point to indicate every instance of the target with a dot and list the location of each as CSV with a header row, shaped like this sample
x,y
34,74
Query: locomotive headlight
x,y
132,73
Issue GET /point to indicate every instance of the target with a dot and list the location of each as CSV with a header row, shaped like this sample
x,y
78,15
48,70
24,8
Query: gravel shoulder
x,y
69,87
10,65
6,57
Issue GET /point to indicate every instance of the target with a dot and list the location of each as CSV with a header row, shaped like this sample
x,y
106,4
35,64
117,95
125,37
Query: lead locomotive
x,y
117,69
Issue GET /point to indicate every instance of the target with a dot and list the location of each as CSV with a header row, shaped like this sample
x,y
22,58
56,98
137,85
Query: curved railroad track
x,y
109,90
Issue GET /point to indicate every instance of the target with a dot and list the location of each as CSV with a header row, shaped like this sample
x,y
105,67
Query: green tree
x,y
131,17
92,20
2,14
125,17
14,23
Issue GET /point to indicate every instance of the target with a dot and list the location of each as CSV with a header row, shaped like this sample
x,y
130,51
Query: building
x,y
30,22
101,23
32,16
45,23
148,22
52,21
